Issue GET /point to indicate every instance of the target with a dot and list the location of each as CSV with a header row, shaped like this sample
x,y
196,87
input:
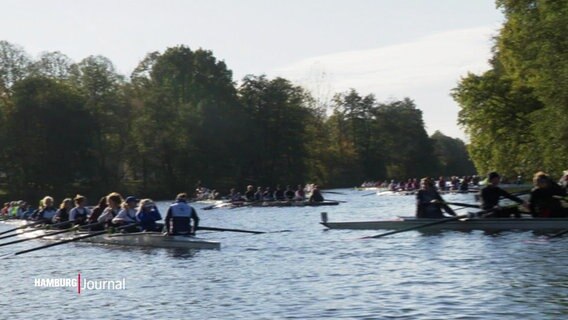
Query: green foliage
x,y
50,137
181,121
515,114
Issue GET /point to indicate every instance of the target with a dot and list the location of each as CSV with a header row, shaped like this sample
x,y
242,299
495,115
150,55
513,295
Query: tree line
x,y
516,113
180,120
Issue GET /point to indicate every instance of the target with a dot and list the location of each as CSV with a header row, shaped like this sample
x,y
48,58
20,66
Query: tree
x,y
50,138
452,156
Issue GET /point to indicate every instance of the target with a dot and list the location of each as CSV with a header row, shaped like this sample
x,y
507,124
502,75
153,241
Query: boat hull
x,y
487,224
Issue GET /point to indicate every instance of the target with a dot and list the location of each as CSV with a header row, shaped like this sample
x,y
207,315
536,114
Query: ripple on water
x,y
307,273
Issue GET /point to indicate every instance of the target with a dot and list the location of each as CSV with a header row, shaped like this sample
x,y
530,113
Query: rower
x,y
78,215
429,203
113,200
316,195
249,194
127,214
279,194
289,193
97,212
544,202
148,214
62,214
179,216
491,194
47,211
300,194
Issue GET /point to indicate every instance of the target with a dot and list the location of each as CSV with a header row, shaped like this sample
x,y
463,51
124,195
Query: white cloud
x,y
424,70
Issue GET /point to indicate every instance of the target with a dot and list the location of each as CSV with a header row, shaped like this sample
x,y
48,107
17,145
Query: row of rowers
x,y
547,199
278,194
114,210
310,192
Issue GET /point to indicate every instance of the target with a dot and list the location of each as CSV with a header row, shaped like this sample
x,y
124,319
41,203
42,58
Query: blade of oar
x,y
39,236
333,192
90,235
466,205
49,234
331,200
229,230
22,227
32,230
441,221
558,234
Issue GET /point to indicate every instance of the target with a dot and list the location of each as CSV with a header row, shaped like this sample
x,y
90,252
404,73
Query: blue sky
x,y
391,48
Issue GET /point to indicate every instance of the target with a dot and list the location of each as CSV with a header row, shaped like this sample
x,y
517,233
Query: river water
x,y
304,273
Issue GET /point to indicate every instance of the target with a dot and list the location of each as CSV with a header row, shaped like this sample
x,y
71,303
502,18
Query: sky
x,y
390,48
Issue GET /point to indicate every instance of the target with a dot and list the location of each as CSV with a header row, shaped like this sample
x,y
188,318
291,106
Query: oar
x,y
90,235
32,230
49,234
441,221
333,192
229,230
22,227
466,205
369,194
331,200
39,236
558,234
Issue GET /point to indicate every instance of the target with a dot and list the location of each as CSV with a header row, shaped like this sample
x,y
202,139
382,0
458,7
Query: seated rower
x,y
300,194
544,200
289,193
279,194
267,195
316,195
249,194
234,196
47,210
429,203
127,215
148,214
179,216
491,194
113,201
78,215
62,214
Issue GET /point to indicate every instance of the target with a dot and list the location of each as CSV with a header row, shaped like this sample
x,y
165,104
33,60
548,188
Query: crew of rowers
x,y
454,183
545,201
267,194
112,211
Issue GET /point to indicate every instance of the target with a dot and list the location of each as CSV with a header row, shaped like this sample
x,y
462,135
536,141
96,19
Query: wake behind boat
x,y
486,224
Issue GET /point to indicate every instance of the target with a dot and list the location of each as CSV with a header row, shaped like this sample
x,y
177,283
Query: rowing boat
x,y
266,204
486,224
150,240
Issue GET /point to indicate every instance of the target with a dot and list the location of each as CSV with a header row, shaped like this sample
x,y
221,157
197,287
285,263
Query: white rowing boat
x,y
150,240
486,224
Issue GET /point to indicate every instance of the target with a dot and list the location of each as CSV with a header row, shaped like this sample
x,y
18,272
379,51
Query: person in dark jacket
x,y
491,195
179,216
544,200
429,203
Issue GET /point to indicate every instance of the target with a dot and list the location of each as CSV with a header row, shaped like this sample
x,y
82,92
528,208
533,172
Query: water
x,y
306,273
